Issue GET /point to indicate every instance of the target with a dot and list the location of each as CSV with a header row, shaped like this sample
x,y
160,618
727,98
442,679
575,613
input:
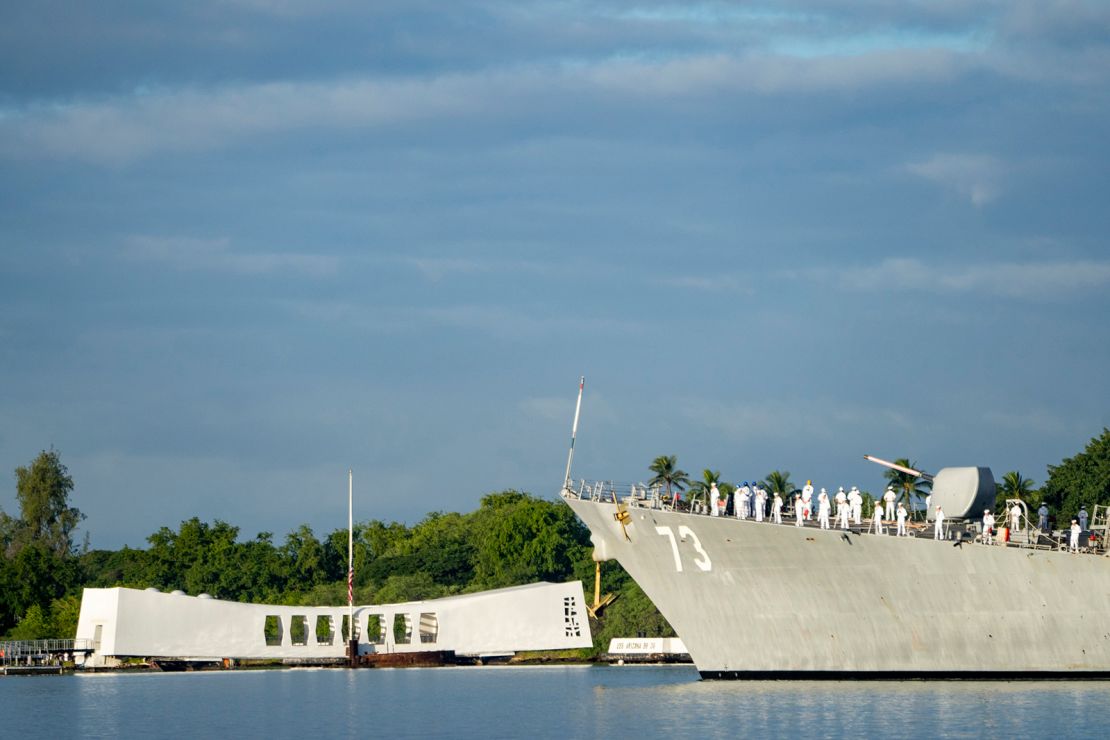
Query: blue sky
x,y
246,245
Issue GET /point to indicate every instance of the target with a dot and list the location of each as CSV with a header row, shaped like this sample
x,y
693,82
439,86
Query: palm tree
x,y
668,474
909,487
1015,486
778,481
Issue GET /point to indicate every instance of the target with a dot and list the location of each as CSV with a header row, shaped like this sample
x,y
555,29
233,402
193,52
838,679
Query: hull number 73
x,y
685,533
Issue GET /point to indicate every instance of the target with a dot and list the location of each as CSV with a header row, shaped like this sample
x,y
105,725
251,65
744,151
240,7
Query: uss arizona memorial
x,y
124,623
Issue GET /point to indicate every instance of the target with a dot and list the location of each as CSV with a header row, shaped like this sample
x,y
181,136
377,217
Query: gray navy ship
x,y
754,599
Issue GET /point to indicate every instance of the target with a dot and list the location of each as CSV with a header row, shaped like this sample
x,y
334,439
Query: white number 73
x,y
703,562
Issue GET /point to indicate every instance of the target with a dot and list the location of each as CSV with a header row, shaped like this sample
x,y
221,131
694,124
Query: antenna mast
x,y
574,431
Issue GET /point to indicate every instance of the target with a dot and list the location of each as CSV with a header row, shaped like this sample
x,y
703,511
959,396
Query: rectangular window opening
x,y
375,629
344,631
402,629
272,630
325,630
298,629
429,627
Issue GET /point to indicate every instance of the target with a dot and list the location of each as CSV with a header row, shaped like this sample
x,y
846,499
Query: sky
x,y
247,245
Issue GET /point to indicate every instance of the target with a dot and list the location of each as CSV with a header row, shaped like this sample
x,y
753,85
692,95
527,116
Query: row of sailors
x,y
751,501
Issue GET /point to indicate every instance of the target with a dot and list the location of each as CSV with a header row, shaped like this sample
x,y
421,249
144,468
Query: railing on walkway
x,y
41,652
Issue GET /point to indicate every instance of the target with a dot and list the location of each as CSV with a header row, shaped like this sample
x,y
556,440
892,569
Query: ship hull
x,y
757,600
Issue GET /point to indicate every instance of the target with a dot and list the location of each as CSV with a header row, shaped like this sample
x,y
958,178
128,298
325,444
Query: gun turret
x,y
962,493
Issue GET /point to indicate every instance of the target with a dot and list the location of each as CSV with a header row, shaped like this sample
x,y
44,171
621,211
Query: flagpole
x,y
351,556
574,431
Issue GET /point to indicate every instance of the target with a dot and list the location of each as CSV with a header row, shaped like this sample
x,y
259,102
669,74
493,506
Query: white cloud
x,y
216,255
977,177
1038,280
119,130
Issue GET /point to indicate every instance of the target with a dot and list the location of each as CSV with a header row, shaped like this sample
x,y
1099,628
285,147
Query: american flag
x,y
350,585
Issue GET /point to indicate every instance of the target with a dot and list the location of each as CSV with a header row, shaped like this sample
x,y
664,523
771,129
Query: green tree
x,y
1016,486
668,474
520,539
45,516
910,488
1082,480
778,481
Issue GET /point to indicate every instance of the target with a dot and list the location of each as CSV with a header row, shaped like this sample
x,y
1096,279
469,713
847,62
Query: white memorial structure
x,y
126,623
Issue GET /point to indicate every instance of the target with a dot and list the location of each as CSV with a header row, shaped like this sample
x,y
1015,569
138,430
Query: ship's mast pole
x,y
350,555
574,430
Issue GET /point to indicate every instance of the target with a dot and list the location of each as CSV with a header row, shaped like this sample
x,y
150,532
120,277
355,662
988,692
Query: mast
x,y
574,430
350,555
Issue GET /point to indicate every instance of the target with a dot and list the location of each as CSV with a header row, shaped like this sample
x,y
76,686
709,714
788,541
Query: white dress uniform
x,y
714,500
1075,530
807,500
760,503
776,508
823,509
902,520
798,516
988,526
855,498
938,525
877,518
889,497
745,501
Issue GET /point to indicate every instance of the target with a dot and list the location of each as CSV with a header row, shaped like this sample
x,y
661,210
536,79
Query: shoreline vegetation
x,y
512,538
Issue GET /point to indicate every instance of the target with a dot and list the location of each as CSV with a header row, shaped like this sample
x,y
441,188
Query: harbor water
x,y
537,702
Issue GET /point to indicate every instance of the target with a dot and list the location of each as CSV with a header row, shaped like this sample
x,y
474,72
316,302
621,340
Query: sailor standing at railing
x,y
744,496
1015,518
889,497
776,508
1075,530
798,517
823,509
938,525
1082,517
1042,518
855,499
842,511
901,519
714,500
877,517
988,527
841,500
760,502
807,499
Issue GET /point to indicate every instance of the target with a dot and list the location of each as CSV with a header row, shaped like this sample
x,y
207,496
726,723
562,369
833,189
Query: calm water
x,y
538,702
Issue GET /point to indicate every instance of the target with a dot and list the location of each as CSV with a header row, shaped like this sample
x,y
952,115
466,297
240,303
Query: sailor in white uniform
x,y
842,510
1015,518
938,525
798,516
823,509
745,499
855,499
760,502
714,500
877,518
889,497
988,527
776,508
901,519
1073,545
807,499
